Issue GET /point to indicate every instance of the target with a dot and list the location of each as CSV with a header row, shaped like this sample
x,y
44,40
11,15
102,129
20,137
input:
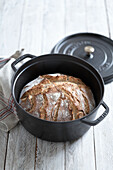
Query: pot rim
x,y
41,56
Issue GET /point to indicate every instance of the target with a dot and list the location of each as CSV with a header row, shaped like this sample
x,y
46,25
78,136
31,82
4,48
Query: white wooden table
x,y
37,26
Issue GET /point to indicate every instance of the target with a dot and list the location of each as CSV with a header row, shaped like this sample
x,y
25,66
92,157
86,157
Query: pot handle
x,y
20,59
98,120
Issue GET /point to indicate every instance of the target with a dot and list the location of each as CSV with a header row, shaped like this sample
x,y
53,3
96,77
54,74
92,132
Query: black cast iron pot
x,y
58,63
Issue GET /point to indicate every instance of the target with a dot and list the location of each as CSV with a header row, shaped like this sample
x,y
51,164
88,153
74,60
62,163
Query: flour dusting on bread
x,y
57,97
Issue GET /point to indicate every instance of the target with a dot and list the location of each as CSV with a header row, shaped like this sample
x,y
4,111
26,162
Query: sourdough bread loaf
x,y
57,97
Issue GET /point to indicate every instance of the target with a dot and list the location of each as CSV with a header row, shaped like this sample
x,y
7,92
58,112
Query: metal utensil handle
x,y
20,59
98,120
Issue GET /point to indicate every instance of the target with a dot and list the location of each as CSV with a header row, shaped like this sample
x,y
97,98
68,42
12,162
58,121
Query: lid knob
x,y
89,50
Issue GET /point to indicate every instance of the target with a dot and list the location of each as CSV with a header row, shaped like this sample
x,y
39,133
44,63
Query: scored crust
x,y
57,98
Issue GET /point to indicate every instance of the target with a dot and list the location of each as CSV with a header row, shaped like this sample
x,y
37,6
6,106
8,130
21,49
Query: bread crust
x,y
57,98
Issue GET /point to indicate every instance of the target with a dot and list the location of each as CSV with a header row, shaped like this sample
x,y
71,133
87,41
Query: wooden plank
x,y
53,24
51,155
9,33
3,148
3,135
98,22
103,132
75,13
79,154
2,3
10,26
96,17
21,146
104,135
21,150
32,26
109,8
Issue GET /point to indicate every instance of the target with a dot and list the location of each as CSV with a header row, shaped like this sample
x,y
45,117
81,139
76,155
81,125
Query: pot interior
x,y
58,63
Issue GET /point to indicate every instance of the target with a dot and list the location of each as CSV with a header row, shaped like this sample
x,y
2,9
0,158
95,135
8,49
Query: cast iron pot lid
x,y
94,48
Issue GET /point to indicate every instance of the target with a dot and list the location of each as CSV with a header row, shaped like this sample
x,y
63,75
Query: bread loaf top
x,y
57,98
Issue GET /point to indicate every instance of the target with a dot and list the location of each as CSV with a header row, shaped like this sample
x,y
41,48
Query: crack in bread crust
x,y
43,107
58,98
